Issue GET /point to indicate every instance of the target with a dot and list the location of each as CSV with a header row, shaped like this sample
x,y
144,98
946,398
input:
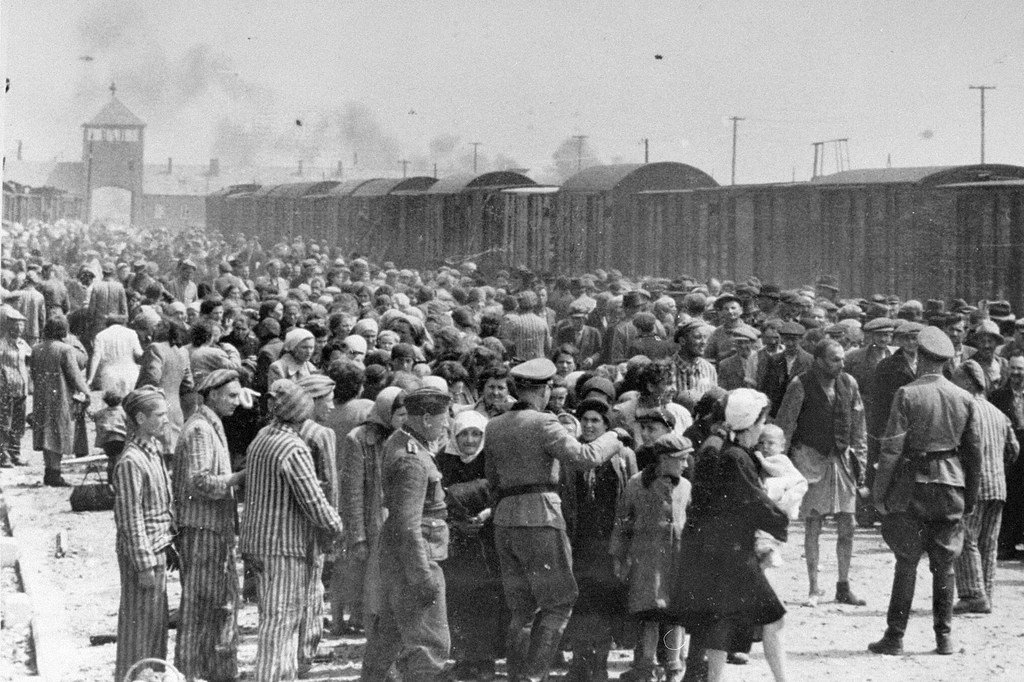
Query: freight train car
x,y
23,204
370,217
596,219
948,231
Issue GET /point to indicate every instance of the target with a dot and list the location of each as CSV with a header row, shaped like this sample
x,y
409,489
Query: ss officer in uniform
x,y
928,476
525,448
411,626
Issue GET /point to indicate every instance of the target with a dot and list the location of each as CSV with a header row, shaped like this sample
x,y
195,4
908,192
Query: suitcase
x,y
98,496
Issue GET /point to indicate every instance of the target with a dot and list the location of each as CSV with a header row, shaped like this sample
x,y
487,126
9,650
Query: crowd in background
x,y
296,345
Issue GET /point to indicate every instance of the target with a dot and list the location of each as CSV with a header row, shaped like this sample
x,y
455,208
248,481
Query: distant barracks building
x,y
114,182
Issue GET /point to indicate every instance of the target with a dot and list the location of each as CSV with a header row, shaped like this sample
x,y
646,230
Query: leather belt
x,y
527,489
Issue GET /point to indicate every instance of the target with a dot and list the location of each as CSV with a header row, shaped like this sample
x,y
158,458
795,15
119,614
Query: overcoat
x,y
56,376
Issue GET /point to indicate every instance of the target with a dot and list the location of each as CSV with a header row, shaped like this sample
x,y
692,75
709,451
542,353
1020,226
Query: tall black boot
x,y
942,609
900,601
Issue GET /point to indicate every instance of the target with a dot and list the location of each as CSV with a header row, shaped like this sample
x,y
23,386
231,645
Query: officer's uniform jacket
x,y
527,448
930,416
415,533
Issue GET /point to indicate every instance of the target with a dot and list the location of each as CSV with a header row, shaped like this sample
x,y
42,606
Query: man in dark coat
x,y
577,332
107,297
891,374
928,476
781,369
1009,398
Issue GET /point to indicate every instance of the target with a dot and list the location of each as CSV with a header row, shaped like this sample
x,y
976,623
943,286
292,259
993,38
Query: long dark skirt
x,y
477,615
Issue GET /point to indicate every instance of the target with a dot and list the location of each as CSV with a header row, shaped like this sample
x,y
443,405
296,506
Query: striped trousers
x,y
976,566
281,583
207,639
311,629
141,616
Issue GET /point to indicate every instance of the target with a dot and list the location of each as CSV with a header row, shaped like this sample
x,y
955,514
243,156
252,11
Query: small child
x,y
785,486
111,429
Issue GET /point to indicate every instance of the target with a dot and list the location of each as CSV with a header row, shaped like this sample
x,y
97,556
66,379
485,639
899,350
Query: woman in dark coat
x,y
721,595
165,364
60,390
589,503
476,607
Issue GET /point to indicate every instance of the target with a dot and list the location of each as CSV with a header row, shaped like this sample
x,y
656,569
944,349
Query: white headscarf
x,y
294,338
468,419
743,407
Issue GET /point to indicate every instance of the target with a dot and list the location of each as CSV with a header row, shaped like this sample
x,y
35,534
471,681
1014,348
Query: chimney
x,y
170,165
340,172
299,172
214,168
19,151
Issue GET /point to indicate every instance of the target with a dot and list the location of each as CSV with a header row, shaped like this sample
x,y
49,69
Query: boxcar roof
x,y
925,175
454,184
301,189
638,177
382,186
537,189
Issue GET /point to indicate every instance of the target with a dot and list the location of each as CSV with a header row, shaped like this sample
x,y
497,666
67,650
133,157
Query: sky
x,y
389,81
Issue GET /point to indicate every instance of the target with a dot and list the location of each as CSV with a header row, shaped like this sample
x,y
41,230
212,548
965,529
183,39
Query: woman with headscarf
x,y
60,390
363,504
368,329
476,608
294,362
589,502
720,593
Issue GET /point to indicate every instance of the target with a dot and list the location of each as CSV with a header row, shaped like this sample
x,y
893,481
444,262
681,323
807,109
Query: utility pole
x,y
435,169
405,166
579,151
647,150
735,120
982,89
475,146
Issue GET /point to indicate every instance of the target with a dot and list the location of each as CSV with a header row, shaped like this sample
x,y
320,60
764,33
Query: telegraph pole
x,y
475,146
647,150
579,151
405,166
735,120
982,89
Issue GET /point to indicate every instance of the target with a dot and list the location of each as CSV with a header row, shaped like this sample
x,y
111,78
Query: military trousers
x,y
407,633
932,523
536,576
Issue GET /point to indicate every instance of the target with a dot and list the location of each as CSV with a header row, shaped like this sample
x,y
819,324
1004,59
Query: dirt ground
x,y
824,643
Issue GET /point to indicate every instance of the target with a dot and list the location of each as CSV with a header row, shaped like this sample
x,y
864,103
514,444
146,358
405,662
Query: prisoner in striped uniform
x,y
144,520
286,522
321,443
410,629
976,566
13,384
207,517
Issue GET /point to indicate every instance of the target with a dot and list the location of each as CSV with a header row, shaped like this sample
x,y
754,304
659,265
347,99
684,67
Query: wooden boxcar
x,y
927,232
370,216
597,223
528,220
463,215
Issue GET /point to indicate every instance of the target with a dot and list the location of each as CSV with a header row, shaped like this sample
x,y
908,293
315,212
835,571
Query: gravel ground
x,y
824,643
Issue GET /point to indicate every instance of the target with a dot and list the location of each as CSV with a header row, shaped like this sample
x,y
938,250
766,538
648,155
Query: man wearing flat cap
x,y
144,518
625,332
410,628
576,331
182,287
897,370
730,314
107,297
526,448
207,514
928,477
739,370
791,362
986,338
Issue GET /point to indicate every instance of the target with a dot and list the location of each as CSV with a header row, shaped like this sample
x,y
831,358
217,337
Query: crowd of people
x,y
503,466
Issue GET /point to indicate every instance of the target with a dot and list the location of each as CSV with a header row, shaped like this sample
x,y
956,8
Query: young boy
x,y
646,549
784,484
111,430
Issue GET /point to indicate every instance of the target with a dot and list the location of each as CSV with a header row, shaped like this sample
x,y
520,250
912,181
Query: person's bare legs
x,y
774,650
716,664
812,533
